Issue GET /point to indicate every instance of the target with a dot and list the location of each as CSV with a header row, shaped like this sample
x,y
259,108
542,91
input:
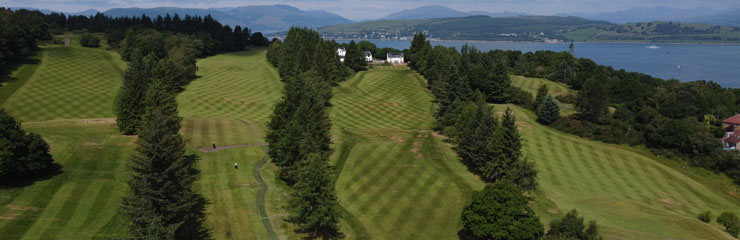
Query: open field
x,y
555,88
397,179
630,194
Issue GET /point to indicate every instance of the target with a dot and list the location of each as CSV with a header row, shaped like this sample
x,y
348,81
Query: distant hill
x,y
646,14
521,28
89,12
435,11
282,17
268,18
658,31
728,18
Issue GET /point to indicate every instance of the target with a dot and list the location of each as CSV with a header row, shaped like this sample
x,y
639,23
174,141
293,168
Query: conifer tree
x,y
499,211
542,92
512,142
161,194
313,205
130,101
355,58
417,45
548,112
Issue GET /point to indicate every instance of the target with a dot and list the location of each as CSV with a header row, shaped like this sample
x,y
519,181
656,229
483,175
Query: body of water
x,y
686,62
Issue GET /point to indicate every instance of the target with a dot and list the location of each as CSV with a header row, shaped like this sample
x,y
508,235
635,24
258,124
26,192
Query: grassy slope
x,y
555,88
632,195
397,179
82,201
229,104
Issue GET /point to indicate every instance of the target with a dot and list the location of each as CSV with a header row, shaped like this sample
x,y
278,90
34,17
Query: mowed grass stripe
x,y
70,82
397,180
630,194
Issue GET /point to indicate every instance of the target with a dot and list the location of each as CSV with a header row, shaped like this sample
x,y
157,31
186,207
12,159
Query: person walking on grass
x,y
214,145
236,166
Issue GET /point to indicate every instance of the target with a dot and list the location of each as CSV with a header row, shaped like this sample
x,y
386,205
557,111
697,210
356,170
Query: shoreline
x,y
532,42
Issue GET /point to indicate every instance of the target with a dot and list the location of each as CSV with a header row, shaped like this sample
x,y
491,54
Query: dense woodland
x,y
298,130
20,33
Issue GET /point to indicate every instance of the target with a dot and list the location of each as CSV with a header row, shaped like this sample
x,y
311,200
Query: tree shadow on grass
x,y
32,177
193,226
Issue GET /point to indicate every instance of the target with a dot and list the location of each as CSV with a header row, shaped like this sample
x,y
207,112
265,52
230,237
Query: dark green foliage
x,y
89,40
161,194
572,226
548,112
731,223
303,49
130,100
313,205
21,154
542,92
416,52
365,45
521,98
257,39
592,101
355,58
500,211
20,32
273,53
485,74
705,216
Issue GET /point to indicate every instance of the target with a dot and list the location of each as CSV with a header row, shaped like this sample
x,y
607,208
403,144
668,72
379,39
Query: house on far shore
x,y
394,58
732,133
341,52
368,56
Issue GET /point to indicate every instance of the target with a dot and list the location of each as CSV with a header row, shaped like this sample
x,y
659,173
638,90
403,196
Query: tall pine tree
x,y
130,102
542,92
161,194
313,204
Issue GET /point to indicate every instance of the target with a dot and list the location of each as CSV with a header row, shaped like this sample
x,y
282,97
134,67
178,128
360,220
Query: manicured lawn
x,y
70,82
630,194
397,179
554,88
228,104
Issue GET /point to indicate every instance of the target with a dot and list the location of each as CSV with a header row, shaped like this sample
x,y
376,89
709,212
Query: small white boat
x,y
653,47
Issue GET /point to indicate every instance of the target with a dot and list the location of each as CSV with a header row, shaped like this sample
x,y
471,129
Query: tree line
x,y
298,130
20,33
463,84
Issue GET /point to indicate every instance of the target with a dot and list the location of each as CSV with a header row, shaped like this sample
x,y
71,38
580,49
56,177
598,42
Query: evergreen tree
x,y
542,93
512,142
161,194
313,205
273,53
129,102
355,58
592,101
571,226
415,52
549,112
21,153
499,211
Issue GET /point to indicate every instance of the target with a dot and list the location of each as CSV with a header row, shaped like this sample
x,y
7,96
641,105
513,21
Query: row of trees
x,y
216,37
677,119
298,130
464,83
20,32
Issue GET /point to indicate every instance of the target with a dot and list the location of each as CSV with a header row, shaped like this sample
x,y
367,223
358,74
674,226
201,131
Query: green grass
x,y
229,104
397,179
82,201
554,88
632,195
69,83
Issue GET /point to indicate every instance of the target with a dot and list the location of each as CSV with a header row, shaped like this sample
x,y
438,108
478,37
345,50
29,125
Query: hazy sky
x,y
359,9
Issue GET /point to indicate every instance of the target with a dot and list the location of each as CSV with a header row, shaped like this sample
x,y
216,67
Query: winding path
x,y
261,194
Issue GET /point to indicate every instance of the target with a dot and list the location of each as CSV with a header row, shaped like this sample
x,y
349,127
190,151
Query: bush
x,y
705,216
499,211
572,226
89,40
730,222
